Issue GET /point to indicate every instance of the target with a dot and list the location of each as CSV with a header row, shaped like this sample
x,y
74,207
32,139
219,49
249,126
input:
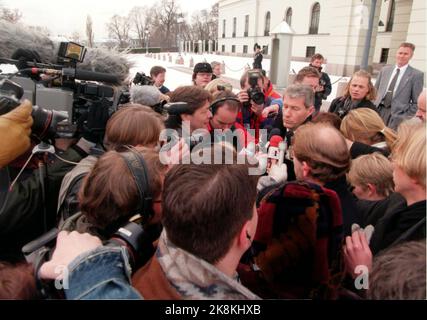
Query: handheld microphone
x,y
273,148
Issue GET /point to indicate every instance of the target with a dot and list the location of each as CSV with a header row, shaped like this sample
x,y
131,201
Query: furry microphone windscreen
x,y
17,36
145,95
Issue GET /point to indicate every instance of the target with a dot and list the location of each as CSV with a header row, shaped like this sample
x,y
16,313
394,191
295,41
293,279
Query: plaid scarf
x,y
297,243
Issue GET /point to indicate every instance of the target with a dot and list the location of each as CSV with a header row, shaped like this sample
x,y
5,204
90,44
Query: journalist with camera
x,y
68,107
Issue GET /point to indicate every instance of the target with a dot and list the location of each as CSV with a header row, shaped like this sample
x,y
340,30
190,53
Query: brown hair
x,y
407,45
324,149
309,72
317,56
365,125
231,104
194,96
199,200
133,125
409,151
372,93
17,282
329,118
156,70
399,273
109,193
374,169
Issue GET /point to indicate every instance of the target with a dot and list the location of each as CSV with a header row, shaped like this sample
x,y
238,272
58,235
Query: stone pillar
x,y
281,53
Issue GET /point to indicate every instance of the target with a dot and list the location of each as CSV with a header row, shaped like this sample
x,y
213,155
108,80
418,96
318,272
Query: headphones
x,y
138,168
214,105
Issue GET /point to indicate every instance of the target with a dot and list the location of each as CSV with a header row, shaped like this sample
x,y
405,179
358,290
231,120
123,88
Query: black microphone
x,y
76,73
96,76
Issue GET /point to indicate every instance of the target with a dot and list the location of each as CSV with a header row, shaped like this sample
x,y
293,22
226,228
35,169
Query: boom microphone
x,y
25,44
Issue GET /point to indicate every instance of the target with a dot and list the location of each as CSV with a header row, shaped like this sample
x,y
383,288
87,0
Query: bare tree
x,y
166,16
140,19
10,15
118,29
89,31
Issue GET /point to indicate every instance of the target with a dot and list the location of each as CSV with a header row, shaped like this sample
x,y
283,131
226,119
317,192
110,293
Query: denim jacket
x,y
103,273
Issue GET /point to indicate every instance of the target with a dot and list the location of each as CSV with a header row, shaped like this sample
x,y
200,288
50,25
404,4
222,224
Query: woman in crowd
x,y
133,125
359,93
366,126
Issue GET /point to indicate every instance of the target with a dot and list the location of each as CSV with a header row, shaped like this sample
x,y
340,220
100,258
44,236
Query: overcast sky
x,y
64,17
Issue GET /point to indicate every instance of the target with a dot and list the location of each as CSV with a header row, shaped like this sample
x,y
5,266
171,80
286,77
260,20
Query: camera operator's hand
x,y
68,247
257,108
15,128
243,96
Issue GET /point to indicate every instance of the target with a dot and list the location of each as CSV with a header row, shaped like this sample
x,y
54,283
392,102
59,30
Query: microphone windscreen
x,y
275,140
16,36
145,95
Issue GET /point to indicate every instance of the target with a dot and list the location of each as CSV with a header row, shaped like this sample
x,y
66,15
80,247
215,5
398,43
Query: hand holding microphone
x,y
276,169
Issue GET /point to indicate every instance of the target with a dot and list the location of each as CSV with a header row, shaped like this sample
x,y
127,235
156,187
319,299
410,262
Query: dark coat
x,y
325,81
350,210
257,61
404,224
21,210
337,106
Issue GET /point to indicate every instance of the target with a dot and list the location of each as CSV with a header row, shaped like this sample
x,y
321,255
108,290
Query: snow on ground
x,y
234,68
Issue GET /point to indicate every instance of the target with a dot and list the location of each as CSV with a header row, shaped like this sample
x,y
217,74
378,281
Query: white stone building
x,y
334,28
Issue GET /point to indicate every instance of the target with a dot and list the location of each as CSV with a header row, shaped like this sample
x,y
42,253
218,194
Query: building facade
x,y
335,28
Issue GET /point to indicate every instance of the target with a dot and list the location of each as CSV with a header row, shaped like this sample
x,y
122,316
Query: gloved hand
x,y
15,128
278,172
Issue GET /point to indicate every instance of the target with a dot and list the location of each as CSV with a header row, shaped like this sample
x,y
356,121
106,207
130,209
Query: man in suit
x,y
398,88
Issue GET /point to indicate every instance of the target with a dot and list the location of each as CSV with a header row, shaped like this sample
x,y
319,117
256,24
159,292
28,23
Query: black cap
x,y
202,67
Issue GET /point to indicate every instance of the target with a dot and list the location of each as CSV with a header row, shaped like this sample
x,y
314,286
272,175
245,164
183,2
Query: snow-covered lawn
x,y
234,67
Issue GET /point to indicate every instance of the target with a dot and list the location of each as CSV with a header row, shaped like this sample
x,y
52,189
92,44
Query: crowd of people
x,y
202,193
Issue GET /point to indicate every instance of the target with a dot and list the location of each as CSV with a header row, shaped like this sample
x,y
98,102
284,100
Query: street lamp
x,y
147,33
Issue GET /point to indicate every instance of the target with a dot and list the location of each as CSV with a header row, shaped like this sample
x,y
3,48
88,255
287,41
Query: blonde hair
x,y
372,93
409,151
365,125
372,169
212,86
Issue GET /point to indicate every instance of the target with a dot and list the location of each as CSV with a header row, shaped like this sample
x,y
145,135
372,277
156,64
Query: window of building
x,y
233,48
223,48
245,49
223,28
267,24
265,49
246,26
310,51
390,19
234,26
288,16
384,55
314,22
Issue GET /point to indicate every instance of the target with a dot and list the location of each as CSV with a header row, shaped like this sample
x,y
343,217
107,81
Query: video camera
x,y
143,80
63,89
255,93
136,238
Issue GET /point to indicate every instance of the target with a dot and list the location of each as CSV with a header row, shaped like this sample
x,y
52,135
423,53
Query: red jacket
x,y
270,92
